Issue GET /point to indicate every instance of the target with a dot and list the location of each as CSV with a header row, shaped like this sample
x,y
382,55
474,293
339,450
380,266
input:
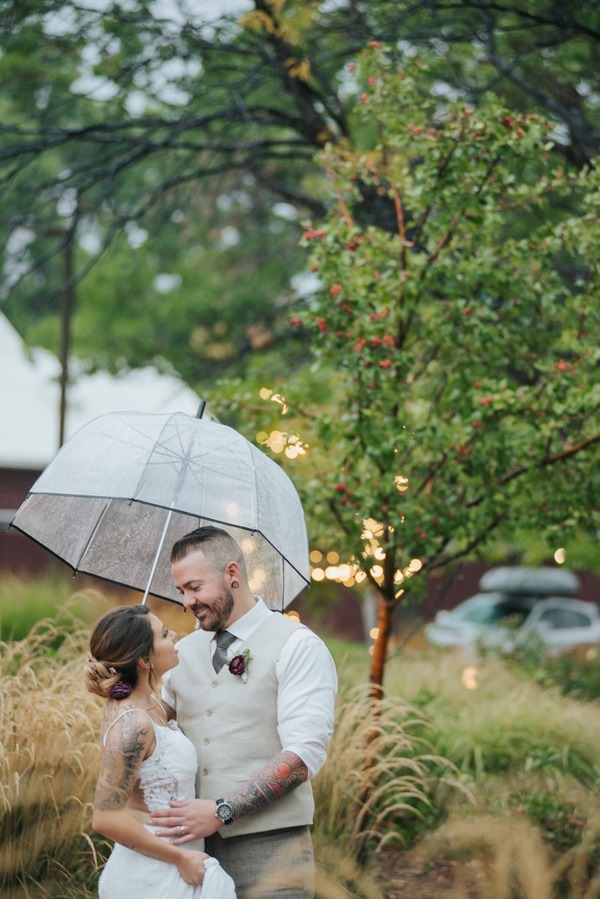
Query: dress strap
x,y
118,718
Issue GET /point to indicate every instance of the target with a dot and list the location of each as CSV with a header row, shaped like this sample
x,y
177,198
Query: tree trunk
x,y
384,628
66,313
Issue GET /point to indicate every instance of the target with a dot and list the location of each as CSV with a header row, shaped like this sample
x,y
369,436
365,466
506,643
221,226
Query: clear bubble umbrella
x,y
127,485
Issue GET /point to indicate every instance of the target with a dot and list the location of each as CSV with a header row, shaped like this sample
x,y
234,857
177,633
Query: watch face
x,y
224,811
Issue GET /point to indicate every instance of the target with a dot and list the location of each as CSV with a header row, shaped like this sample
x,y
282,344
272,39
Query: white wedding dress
x,y
169,773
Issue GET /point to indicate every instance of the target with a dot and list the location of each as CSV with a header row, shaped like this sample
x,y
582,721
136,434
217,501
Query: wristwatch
x,y
224,811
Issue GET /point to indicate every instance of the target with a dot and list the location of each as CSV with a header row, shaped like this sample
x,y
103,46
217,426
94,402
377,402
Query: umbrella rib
x,y
280,554
92,535
157,554
255,481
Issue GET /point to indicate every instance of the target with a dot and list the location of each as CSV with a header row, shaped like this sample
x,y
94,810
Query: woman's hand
x,y
191,866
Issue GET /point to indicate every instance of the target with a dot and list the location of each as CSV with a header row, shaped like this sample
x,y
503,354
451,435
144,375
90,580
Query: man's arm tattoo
x,y
278,778
120,764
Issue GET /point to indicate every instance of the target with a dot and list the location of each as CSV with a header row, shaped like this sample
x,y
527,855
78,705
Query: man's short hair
x,y
218,546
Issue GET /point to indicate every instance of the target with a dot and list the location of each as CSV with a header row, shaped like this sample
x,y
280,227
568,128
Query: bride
x,y
146,762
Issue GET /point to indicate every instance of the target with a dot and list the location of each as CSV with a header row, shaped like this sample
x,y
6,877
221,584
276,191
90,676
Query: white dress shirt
x,y
307,687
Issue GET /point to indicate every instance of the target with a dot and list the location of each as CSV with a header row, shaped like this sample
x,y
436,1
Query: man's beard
x,y
216,617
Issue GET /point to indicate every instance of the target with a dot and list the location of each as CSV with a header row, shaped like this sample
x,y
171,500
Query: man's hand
x,y
186,821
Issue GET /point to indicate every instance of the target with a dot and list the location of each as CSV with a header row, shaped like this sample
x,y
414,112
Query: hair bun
x,y
100,677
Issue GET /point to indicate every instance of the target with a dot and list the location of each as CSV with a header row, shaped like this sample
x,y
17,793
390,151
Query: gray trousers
x,y
276,863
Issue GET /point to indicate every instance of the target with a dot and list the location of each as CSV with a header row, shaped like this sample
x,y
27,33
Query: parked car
x,y
504,620
523,581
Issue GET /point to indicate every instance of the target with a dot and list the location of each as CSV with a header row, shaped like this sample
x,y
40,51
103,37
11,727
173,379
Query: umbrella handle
x,y
158,552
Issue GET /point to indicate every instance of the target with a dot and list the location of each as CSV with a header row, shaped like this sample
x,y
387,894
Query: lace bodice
x,y
170,772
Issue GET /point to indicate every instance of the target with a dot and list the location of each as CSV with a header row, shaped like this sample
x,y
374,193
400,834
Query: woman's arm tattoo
x,y
121,760
278,778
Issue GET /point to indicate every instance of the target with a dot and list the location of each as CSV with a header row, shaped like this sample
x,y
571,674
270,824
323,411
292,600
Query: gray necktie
x,y
224,640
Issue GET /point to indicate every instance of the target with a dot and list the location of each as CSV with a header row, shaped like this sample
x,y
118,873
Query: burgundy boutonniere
x,y
239,665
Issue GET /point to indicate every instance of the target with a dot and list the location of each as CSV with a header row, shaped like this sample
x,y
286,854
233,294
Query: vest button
x,y
206,741
209,711
214,683
204,772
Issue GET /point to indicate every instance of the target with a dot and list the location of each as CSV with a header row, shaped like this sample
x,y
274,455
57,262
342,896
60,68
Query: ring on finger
x,y
181,828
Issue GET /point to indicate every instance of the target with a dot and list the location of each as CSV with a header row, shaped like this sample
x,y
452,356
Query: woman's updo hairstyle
x,y
118,641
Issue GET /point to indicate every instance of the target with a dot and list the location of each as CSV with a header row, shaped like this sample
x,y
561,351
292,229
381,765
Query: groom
x,y
261,725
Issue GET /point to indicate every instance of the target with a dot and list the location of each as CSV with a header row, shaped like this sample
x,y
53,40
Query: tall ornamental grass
x,y
381,778
491,719
49,758
477,762
514,863
48,762
531,757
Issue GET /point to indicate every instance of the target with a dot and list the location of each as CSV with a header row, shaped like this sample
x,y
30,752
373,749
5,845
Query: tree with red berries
x,y
122,121
460,339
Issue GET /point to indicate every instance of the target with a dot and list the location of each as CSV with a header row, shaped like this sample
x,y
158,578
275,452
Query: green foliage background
x,y
446,336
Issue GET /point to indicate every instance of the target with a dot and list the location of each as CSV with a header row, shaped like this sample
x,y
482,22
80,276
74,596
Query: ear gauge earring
x,y
235,584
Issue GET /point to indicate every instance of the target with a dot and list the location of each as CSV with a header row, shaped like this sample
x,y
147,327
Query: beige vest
x,y
233,724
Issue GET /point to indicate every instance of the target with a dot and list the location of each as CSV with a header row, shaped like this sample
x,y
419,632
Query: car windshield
x,y
505,611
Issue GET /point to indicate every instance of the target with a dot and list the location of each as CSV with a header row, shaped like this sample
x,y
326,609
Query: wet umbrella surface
x,y
127,485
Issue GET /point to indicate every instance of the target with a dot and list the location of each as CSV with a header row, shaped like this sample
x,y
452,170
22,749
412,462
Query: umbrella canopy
x,y
127,485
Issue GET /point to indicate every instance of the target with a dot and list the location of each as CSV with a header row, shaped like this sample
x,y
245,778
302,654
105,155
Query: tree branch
x,y
567,453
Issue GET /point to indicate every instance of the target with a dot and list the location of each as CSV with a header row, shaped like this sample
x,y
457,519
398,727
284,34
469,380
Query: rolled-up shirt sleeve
x,y
306,698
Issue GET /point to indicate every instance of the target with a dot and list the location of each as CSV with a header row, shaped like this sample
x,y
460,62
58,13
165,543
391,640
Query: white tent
x,y
30,400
